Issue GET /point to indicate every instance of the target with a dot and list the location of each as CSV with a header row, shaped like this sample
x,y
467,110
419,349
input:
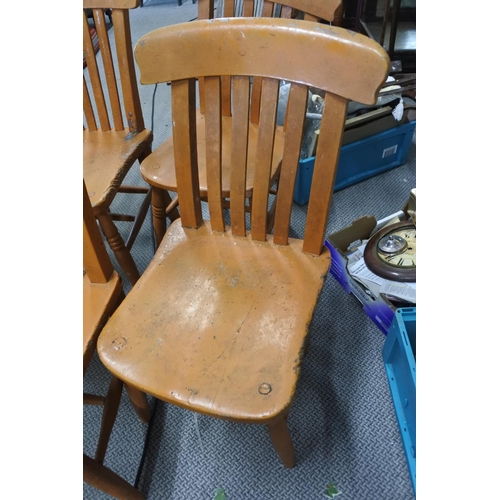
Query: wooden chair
x,y
158,169
218,322
114,136
102,292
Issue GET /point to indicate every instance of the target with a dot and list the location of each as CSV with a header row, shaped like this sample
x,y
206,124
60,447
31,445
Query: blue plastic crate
x,y
399,355
360,160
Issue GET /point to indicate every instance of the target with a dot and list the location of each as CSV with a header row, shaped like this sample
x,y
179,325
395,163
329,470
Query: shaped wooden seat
x,y
158,169
114,136
218,322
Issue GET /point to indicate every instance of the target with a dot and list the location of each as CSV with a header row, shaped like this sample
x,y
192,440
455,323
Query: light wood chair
x,y
158,169
102,292
114,136
218,322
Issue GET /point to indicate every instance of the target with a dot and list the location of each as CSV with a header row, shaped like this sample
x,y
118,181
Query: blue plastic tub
x,y
399,355
360,160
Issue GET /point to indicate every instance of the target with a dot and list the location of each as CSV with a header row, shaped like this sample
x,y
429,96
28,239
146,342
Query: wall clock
x,y
391,253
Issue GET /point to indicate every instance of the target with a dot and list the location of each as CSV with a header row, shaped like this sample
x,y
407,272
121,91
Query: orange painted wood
x,y
131,100
110,411
87,108
185,154
213,132
317,8
95,77
239,144
325,170
234,317
111,149
111,4
267,8
107,158
263,55
96,261
267,125
156,169
102,286
282,441
218,323
295,127
109,70
248,8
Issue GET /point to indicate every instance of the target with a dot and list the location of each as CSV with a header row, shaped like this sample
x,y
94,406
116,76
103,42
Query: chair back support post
x,y
96,261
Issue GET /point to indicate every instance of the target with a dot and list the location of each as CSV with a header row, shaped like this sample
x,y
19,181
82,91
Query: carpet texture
x,y
342,422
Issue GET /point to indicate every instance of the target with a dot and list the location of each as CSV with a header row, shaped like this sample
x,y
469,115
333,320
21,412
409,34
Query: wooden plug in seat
x,y
218,322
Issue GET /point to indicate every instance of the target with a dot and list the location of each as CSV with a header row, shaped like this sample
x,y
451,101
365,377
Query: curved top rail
x,y
327,57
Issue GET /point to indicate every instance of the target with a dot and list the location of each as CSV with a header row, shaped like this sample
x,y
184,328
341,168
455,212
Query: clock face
x,y
392,252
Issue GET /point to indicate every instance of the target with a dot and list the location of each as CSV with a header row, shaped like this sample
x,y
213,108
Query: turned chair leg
x,y
159,220
282,441
139,402
111,404
123,255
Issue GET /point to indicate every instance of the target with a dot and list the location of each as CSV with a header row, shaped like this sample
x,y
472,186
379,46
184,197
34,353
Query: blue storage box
x,y
399,355
360,160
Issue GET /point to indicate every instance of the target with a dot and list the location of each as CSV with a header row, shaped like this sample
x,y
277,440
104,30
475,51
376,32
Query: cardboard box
x,y
379,309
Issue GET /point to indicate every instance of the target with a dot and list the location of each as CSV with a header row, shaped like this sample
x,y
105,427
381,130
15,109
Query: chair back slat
x,y
229,8
87,108
248,8
267,9
325,170
109,69
185,151
213,134
297,105
95,77
114,94
205,11
126,64
96,261
239,147
226,95
263,159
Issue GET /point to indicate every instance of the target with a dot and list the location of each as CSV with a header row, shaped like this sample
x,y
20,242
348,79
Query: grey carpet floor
x,y
342,423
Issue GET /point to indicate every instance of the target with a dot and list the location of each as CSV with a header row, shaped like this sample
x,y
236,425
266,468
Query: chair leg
x,y
282,441
111,404
139,402
123,256
104,479
158,208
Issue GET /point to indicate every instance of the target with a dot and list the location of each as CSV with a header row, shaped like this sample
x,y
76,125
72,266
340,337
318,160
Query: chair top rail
x,y
187,50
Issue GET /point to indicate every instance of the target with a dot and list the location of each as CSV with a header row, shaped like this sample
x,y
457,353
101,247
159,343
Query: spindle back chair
x,y
218,322
114,135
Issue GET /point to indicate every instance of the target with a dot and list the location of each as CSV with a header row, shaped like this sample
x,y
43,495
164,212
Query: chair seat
x,y
107,158
99,301
217,323
158,168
